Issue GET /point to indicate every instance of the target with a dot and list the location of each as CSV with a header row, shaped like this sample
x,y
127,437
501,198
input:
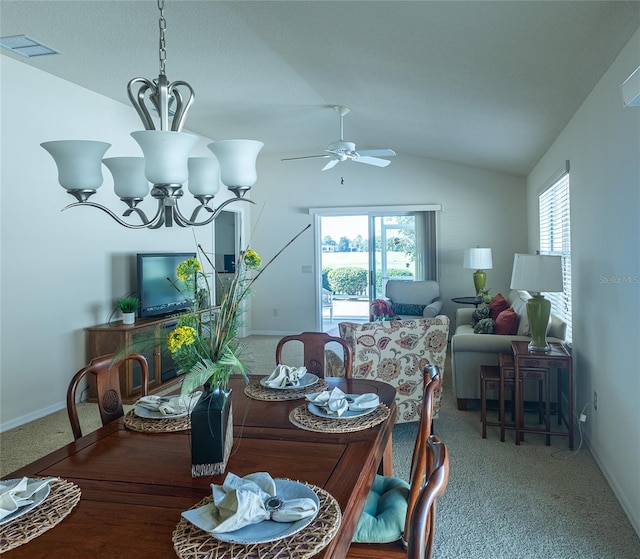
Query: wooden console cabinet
x,y
111,337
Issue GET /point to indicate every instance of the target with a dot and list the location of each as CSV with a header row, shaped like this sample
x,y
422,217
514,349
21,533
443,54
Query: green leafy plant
x,y
128,304
481,312
484,295
485,326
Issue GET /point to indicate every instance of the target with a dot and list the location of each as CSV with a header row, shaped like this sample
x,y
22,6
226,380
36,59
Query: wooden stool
x,y
508,370
491,379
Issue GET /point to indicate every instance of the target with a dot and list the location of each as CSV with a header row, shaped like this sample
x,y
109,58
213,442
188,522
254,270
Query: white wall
x,y
602,142
478,207
61,272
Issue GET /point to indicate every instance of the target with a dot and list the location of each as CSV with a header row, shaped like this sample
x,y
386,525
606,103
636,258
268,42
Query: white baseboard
x,y
18,421
635,521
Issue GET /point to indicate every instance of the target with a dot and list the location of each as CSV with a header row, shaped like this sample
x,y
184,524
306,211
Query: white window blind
x,y
555,239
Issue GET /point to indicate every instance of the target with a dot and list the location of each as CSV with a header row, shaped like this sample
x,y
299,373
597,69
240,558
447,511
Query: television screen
x,y
156,293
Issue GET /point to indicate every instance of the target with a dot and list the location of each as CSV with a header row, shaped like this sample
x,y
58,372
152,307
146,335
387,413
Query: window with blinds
x,y
555,239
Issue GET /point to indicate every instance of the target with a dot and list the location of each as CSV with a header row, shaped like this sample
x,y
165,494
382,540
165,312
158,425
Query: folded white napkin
x,y
284,375
240,502
337,402
176,405
19,493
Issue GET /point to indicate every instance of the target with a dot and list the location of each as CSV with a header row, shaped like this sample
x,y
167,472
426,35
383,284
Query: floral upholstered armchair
x,y
396,352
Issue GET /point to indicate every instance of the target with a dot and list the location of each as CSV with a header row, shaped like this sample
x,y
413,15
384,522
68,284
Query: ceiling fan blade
x,y
372,161
306,157
383,152
331,164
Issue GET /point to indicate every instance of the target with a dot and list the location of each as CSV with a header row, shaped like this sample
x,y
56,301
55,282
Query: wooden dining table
x,y
136,484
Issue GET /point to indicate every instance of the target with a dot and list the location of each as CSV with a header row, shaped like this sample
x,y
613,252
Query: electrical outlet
x,y
275,312
595,400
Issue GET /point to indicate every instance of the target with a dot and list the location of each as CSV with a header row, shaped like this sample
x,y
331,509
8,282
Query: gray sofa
x,y
469,350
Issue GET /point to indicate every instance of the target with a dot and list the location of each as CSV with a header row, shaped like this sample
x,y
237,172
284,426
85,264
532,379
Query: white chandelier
x,y
166,163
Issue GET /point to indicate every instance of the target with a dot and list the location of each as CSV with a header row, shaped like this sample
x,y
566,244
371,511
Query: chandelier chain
x,y
162,24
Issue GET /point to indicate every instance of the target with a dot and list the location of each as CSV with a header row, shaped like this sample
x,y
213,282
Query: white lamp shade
x,y
237,160
537,273
165,155
204,176
478,259
128,176
79,162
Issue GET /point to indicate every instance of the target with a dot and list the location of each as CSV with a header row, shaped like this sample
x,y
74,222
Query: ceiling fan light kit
x,y
166,163
346,151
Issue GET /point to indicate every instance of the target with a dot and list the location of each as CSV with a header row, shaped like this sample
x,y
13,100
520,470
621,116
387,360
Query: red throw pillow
x,y
507,322
497,305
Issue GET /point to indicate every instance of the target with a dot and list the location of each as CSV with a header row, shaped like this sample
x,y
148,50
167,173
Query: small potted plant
x,y
128,307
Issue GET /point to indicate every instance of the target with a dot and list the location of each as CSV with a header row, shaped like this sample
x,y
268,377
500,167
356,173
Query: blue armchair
x,y
410,299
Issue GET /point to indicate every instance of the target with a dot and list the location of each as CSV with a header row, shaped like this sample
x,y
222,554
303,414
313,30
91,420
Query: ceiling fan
x,y
343,151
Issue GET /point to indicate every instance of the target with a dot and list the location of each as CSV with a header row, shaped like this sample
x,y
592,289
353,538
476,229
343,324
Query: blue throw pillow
x,y
406,309
384,514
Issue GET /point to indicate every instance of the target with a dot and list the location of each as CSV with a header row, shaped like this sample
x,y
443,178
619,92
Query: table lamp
x,y
537,273
478,259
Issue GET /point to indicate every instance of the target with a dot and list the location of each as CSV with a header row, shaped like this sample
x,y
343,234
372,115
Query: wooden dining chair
x,y
422,527
317,358
385,524
107,384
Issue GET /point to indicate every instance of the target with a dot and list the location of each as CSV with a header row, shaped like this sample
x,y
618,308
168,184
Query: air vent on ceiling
x,y
26,46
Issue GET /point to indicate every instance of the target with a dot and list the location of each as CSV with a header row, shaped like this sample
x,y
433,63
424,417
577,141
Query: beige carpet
x,y
503,501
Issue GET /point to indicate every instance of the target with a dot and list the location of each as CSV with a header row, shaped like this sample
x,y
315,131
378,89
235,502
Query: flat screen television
x,y
157,295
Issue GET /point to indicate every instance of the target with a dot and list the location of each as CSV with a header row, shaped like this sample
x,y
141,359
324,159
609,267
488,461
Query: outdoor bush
x,y
392,273
348,281
325,279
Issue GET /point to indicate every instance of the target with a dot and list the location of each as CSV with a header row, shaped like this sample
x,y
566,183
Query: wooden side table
x,y
466,301
556,358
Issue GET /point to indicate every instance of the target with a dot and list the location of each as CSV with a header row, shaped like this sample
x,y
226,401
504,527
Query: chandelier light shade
x,y
478,259
79,164
165,155
204,176
165,162
536,274
237,160
129,181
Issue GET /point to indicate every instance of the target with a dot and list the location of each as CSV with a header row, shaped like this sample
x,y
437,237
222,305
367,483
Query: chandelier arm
x,y
156,222
138,101
184,222
182,105
196,211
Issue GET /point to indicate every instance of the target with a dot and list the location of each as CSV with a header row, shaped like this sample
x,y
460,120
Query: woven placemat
x,y
259,392
59,503
303,418
190,542
169,425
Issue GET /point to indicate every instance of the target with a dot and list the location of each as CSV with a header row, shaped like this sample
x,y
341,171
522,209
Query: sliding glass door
x,y
392,252
360,252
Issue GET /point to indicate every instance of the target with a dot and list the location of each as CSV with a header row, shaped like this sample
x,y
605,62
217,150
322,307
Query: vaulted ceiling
x,y
483,83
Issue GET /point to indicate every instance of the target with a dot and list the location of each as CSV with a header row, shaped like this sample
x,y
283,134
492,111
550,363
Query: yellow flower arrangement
x,y
204,343
188,269
181,337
